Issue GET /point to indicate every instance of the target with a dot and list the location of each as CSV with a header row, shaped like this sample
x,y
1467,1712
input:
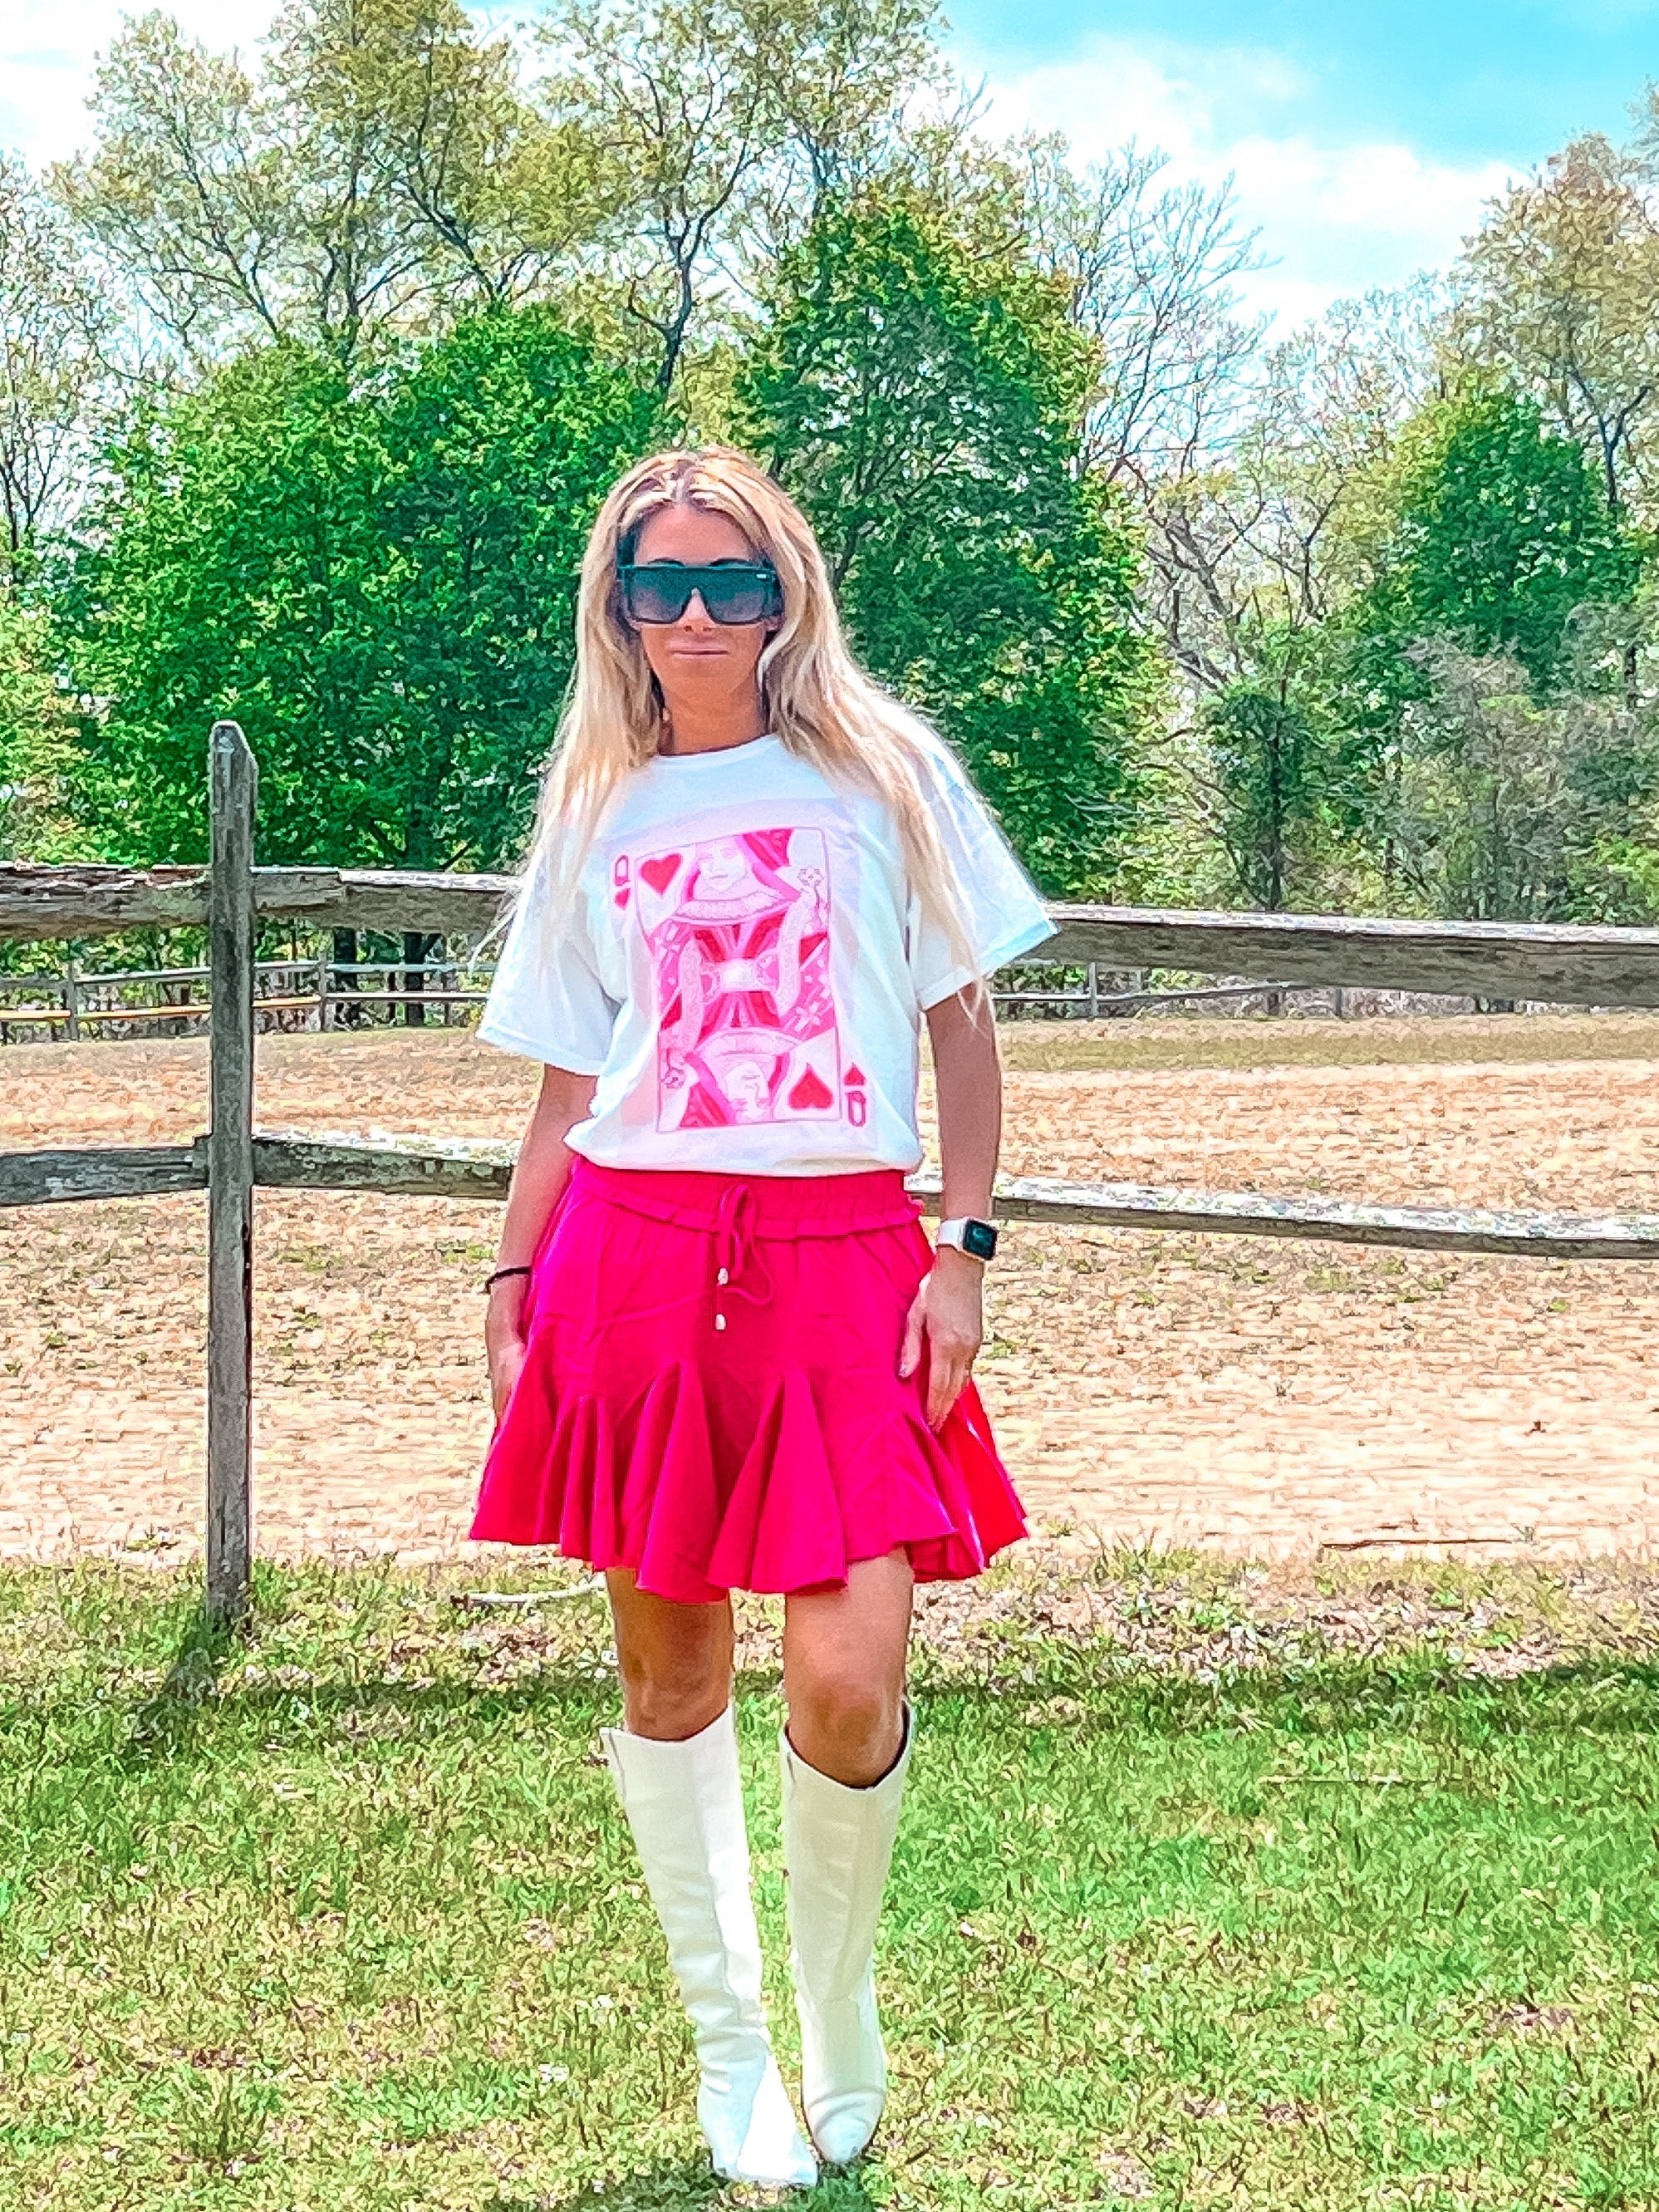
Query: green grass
x,y
1205,1896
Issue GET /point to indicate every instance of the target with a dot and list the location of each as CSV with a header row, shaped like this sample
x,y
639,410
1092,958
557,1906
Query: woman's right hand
x,y
538,1182
504,1338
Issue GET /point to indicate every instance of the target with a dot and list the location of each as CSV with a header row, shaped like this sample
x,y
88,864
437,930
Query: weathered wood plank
x,y
233,781
106,1171
440,1168
367,898
411,1167
38,903
1249,1213
1558,964
422,1167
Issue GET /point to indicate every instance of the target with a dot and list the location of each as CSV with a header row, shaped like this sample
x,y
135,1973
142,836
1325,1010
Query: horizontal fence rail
x,y
422,1167
1548,964
314,984
48,1178
333,988
1551,964
38,903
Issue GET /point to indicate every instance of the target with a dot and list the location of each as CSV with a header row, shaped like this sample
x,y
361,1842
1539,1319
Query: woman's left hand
x,y
948,1311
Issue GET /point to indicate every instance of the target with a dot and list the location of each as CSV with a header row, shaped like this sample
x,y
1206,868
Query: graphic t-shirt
x,y
745,965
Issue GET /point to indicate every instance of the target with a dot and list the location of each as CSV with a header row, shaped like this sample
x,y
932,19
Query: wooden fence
x,y
307,991
345,991
81,1002
1553,963
1557,965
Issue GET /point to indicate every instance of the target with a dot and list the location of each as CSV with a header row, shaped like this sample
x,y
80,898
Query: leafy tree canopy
x,y
921,398
1500,535
1270,773
36,730
381,173
378,581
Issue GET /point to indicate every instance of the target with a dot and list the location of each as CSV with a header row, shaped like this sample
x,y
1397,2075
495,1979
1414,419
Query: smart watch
x,y
978,1239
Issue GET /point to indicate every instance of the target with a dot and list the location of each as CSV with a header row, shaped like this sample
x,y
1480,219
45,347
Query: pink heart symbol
x,y
661,872
854,1077
811,1091
621,896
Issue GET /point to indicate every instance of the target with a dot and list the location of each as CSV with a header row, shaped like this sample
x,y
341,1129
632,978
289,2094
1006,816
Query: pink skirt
x,y
711,1397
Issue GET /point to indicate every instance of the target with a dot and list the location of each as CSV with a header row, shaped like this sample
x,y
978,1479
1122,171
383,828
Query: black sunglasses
x,y
733,592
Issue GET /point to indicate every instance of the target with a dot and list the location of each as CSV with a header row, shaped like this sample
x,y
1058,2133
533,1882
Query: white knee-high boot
x,y
837,1845
684,1805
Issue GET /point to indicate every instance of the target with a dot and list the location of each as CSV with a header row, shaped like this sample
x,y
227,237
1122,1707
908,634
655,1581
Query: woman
x,y
722,1352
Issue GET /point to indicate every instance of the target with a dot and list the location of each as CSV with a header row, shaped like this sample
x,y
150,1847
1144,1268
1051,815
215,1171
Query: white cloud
x,y
48,54
1334,219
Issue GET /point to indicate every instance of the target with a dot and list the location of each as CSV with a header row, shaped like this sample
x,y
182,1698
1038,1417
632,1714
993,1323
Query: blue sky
x,y
1362,138
1472,82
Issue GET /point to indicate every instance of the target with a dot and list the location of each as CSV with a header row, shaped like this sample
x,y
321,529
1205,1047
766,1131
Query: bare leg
x,y
675,1660
843,1671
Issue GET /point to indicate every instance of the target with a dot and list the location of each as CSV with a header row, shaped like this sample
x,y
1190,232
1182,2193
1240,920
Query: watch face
x,y
979,1239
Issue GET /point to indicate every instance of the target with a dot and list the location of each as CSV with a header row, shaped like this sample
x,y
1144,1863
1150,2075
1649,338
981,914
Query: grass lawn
x,y
1212,1891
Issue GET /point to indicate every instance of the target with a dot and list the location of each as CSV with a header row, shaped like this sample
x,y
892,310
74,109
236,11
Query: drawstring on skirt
x,y
735,1250
735,1247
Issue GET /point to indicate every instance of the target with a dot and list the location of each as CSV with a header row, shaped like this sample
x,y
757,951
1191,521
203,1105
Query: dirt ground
x,y
1148,1387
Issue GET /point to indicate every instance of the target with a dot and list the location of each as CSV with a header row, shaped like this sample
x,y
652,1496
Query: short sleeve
x,y
1004,915
547,1001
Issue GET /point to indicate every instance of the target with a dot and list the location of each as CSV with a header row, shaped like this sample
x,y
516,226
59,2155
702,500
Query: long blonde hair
x,y
815,697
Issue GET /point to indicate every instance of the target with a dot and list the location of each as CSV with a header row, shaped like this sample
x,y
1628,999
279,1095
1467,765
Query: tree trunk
x,y
345,955
415,942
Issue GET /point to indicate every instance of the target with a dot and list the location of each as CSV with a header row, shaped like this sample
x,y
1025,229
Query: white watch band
x,y
951,1233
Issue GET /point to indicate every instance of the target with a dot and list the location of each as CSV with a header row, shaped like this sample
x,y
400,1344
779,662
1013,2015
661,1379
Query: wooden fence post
x,y
232,779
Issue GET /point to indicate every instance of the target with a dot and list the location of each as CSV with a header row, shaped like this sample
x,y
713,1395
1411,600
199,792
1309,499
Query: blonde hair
x,y
815,697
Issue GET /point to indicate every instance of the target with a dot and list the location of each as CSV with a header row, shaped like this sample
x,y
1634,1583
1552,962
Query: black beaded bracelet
x,y
501,1274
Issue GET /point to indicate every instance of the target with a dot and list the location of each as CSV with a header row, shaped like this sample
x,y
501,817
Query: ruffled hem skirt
x,y
711,1398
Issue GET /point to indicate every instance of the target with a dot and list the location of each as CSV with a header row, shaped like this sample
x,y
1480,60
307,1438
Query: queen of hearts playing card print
x,y
739,932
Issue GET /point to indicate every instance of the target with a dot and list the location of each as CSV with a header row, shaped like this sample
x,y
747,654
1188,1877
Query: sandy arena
x,y
1152,1388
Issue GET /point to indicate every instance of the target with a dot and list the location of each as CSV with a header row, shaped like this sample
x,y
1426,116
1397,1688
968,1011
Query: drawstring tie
x,y
734,1249
735,1253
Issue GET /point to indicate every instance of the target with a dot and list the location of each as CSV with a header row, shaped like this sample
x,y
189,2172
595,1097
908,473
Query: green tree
x,y
1557,296
1500,537
389,165
1490,546
922,398
36,731
724,122
377,581
1269,778
1518,807
500,443
381,174
55,325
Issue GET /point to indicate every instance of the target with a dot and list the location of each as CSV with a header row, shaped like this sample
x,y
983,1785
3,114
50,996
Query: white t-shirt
x,y
745,965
